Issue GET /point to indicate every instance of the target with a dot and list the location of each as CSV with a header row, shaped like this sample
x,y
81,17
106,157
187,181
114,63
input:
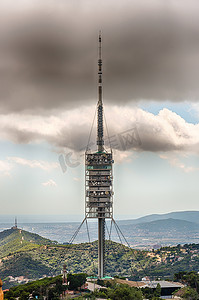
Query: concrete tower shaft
x,y
100,143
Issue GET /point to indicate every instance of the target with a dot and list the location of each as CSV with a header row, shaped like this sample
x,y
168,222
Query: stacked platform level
x,y
99,197
99,202
98,178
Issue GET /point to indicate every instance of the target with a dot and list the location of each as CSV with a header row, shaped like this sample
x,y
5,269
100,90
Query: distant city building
x,y
146,278
167,287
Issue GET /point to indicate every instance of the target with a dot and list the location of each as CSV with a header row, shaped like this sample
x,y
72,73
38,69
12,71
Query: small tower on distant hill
x,y
1,292
64,279
15,226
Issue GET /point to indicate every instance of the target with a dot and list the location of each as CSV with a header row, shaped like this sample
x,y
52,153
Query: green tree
x,y
76,280
190,294
157,292
124,292
53,294
148,293
24,296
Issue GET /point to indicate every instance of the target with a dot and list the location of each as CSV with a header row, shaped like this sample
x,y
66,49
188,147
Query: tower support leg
x,y
101,246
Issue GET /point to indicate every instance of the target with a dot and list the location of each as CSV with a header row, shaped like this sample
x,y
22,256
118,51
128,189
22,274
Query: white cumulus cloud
x,y
175,160
130,128
44,165
50,182
5,168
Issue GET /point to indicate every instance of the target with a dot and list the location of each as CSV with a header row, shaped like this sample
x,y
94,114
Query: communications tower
x,y
99,182
98,177
15,226
64,279
15,222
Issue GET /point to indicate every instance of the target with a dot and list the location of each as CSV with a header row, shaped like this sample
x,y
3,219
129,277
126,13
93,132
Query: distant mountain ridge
x,y
190,216
167,225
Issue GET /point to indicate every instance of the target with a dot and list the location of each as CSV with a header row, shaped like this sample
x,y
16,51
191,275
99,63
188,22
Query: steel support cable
x,y
128,244
111,228
91,128
92,259
132,251
107,132
76,232
88,231
108,241
107,230
118,232
109,236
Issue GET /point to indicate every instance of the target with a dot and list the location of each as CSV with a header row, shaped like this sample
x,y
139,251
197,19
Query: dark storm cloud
x,y
48,52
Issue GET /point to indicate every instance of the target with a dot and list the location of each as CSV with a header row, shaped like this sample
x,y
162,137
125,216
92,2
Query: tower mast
x,y
98,177
100,139
100,144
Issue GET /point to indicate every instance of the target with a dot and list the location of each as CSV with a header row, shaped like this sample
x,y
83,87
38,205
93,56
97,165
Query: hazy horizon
x,y
22,219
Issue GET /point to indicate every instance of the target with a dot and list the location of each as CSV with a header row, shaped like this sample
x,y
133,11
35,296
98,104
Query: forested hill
x,y
15,240
31,256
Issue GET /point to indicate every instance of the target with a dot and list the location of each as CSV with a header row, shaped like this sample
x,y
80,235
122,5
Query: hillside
x,y
33,260
15,240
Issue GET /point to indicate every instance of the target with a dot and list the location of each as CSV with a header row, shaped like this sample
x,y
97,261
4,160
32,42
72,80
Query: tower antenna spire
x,y
100,129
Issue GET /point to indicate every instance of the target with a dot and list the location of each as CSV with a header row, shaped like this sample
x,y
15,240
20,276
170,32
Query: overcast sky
x,y
48,95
